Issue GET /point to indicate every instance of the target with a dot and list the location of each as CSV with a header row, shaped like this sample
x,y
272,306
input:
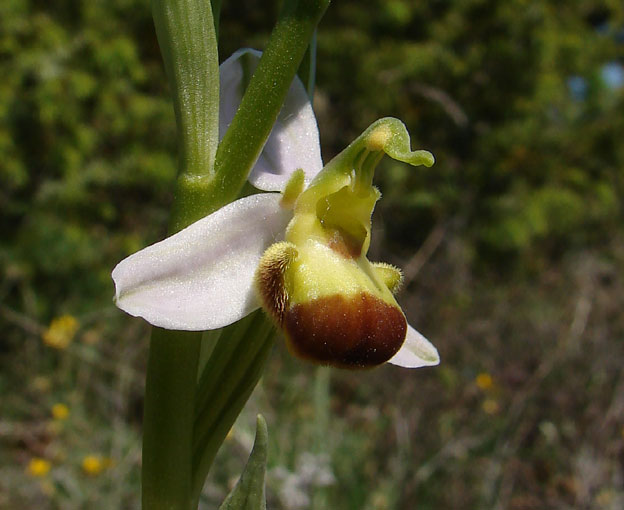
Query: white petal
x,y
202,277
416,351
293,142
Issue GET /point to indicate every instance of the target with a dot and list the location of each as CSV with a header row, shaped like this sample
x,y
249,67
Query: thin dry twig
x,y
448,104
28,324
422,256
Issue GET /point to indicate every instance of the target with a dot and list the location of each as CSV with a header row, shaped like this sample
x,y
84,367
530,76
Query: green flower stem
x,y
168,420
186,35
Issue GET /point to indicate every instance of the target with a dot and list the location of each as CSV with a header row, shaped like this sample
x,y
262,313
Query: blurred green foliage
x,y
524,164
87,141
511,98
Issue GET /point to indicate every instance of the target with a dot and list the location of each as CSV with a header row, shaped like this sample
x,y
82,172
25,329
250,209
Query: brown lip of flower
x,y
358,331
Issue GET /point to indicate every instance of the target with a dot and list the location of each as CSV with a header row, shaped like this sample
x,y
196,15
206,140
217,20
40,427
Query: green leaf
x,y
249,491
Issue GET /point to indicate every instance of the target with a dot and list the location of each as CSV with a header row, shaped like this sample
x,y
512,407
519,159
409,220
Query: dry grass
x,y
548,432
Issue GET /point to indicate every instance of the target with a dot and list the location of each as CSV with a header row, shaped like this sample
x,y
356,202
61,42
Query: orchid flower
x,y
300,253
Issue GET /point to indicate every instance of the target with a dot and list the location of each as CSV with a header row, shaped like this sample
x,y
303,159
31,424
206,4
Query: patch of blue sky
x,y
612,74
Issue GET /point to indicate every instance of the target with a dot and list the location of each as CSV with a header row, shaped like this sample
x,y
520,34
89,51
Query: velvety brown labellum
x,y
345,331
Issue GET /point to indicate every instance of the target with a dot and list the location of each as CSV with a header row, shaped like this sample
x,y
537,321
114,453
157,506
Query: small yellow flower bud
x,y
484,381
61,332
38,467
60,411
92,465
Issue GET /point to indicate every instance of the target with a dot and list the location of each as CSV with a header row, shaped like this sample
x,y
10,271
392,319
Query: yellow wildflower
x,y
484,381
60,411
38,467
61,332
93,465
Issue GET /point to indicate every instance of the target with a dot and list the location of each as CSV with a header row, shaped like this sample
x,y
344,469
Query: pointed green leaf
x,y
249,491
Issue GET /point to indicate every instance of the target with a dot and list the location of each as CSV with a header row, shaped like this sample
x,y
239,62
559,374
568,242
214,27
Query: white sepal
x,y
202,277
293,142
416,351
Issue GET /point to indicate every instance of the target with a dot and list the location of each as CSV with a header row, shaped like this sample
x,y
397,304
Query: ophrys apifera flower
x,y
300,254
